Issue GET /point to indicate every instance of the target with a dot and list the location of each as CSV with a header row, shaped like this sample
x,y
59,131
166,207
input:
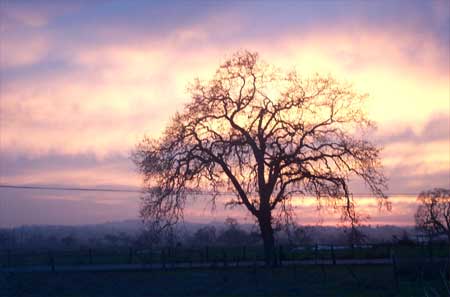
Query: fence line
x,y
315,254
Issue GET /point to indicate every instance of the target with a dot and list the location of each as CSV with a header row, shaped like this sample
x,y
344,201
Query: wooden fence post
x,y
430,251
324,273
51,260
173,256
353,251
316,253
224,257
389,250
90,256
280,254
448,263
130,255
150,256
394,268
333,255
8,258
163,256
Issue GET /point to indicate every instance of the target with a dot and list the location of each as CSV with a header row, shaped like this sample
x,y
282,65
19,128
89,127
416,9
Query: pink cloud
x,y
116,91
17,51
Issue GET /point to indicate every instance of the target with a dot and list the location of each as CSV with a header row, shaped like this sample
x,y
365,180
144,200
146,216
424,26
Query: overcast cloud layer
x,y
82,82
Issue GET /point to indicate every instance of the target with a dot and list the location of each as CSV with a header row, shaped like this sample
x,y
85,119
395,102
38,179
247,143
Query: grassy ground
x,y
305,281
123,256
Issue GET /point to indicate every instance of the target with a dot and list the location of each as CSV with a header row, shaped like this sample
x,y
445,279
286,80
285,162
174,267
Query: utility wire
x,y
93,189
68,189
52,188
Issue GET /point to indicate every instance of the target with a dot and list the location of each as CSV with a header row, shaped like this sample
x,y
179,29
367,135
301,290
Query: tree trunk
x,y
265,225
448,255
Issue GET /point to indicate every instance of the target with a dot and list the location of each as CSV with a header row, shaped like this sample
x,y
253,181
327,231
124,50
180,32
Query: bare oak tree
x,y
433,213
265,135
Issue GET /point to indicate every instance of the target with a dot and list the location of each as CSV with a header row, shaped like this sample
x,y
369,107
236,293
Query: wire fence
x,y
226,255
380,266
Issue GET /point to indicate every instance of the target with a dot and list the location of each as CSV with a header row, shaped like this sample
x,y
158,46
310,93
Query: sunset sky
x,y
81,82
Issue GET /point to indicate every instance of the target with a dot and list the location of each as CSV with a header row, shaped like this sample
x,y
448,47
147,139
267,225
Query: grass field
x,y
213,253
293,281
418,271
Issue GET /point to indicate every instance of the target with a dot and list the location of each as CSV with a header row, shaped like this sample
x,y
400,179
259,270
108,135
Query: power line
x,y
81,189
92,189
68,189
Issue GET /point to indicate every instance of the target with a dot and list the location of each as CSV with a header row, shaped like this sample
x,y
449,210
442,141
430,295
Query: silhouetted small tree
x,y
297,235
111,239
433,213
302,235
233,234
204,236
266,136
7,238
69,241
405,239
124,239
145,239
354,235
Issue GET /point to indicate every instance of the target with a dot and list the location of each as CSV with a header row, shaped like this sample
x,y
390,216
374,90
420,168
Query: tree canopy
x,y
433,213
266,135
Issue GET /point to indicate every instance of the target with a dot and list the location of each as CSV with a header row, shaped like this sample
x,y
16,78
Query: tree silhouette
x,y
433,213
204,236
233,235
268,137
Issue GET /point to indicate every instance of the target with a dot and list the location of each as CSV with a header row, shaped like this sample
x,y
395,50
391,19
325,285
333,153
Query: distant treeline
x,y
133,233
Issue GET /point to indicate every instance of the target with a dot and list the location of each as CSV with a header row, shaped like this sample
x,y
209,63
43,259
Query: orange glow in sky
x,y
81,83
